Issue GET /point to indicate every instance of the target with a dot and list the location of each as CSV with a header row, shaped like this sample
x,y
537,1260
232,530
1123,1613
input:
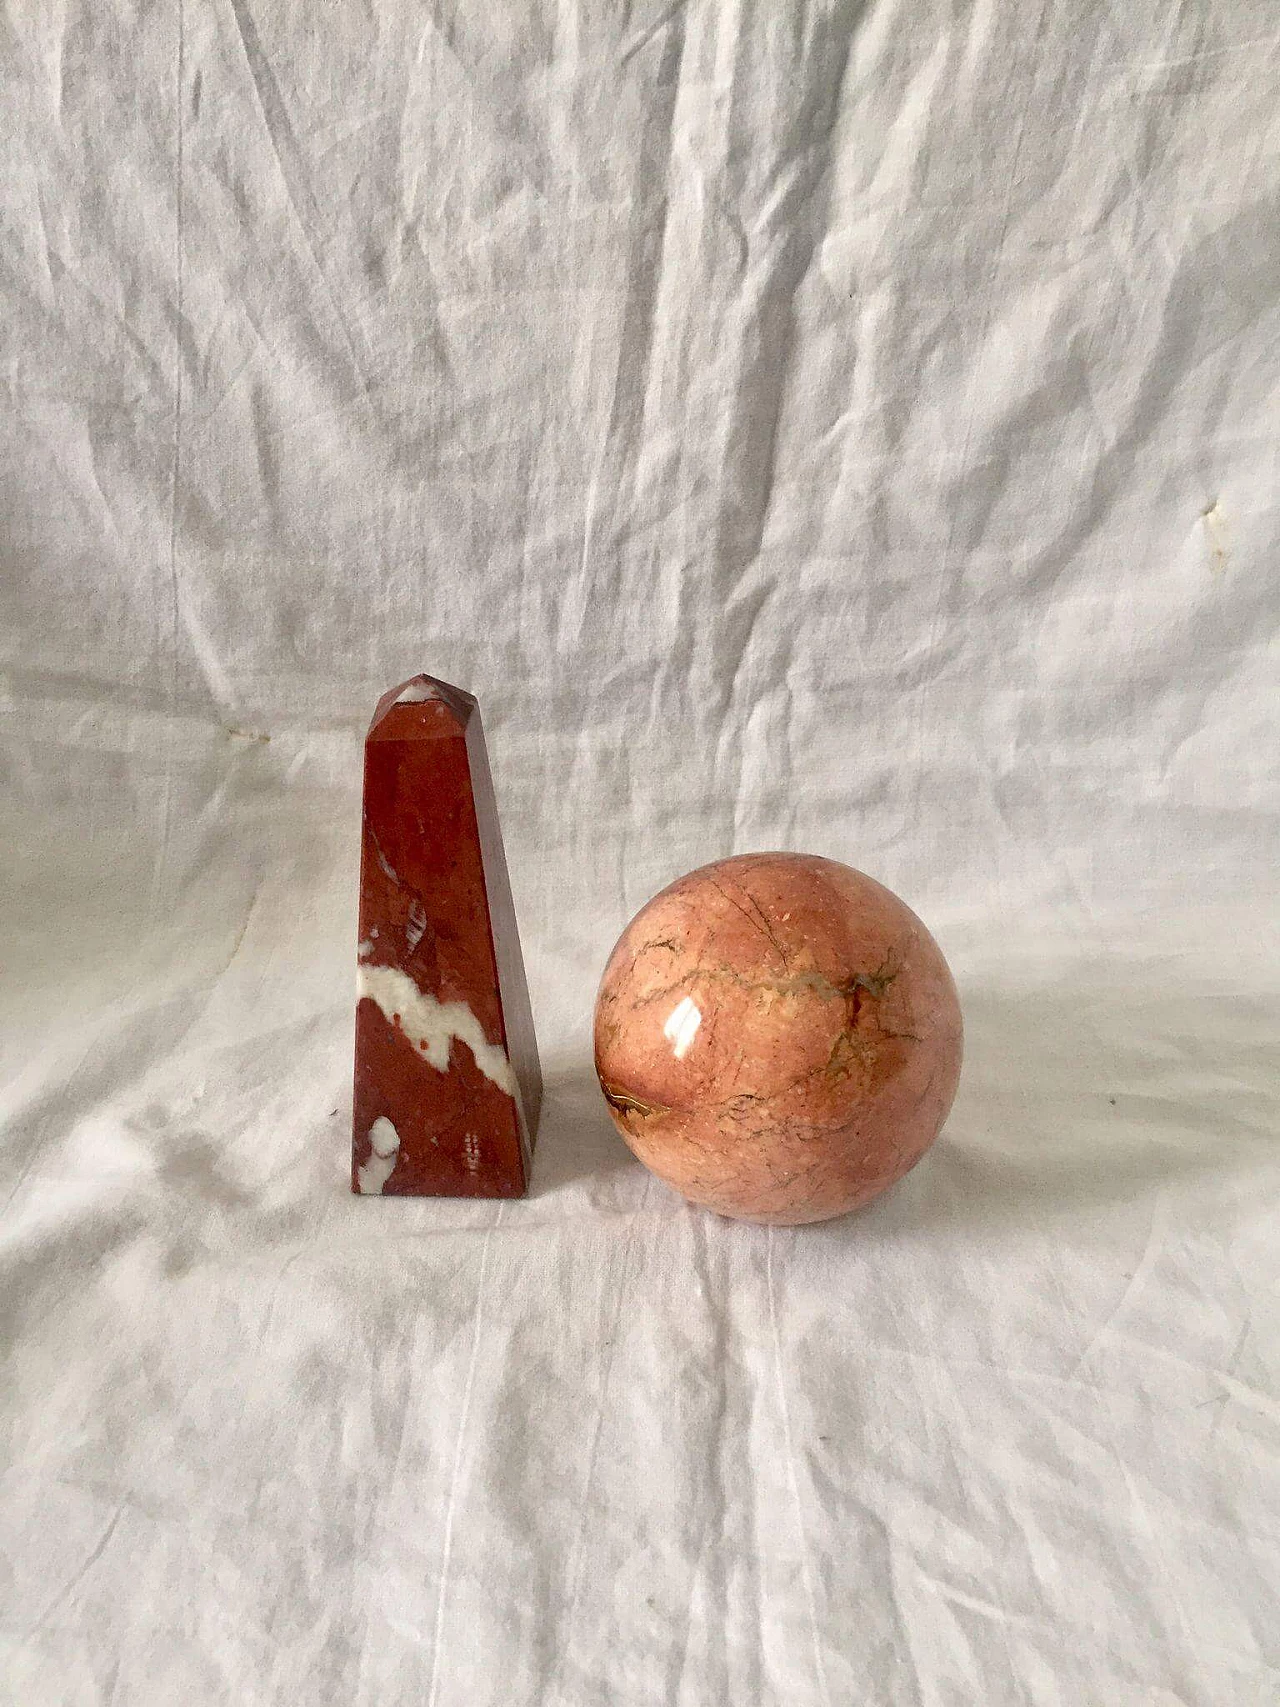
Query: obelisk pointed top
x,y
408,698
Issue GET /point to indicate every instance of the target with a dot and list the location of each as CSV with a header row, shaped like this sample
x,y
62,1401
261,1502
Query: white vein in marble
x,y
431,1025
382,1159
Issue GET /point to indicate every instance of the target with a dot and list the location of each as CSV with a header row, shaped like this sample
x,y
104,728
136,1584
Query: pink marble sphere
x,y
778,1037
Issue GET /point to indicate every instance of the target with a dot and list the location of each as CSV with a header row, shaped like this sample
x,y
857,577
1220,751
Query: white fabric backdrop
x,y
848,427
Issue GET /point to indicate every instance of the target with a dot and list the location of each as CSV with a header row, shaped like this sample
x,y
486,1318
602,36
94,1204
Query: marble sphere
x,y
778,1037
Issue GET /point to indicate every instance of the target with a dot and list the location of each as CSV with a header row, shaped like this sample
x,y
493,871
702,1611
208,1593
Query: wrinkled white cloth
x,y
848,427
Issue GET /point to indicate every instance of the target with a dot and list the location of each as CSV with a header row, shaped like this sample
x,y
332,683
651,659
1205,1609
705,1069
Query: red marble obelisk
x,y
447,1079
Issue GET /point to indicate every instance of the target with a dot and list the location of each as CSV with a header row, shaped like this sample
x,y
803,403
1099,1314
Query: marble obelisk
x,y
447,1084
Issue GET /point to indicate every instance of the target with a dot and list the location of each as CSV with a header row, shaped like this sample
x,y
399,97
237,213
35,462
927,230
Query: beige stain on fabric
x,y
1215,526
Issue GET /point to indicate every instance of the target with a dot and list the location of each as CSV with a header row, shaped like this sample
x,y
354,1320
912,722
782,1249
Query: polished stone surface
x,y
447,1084
778,1037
